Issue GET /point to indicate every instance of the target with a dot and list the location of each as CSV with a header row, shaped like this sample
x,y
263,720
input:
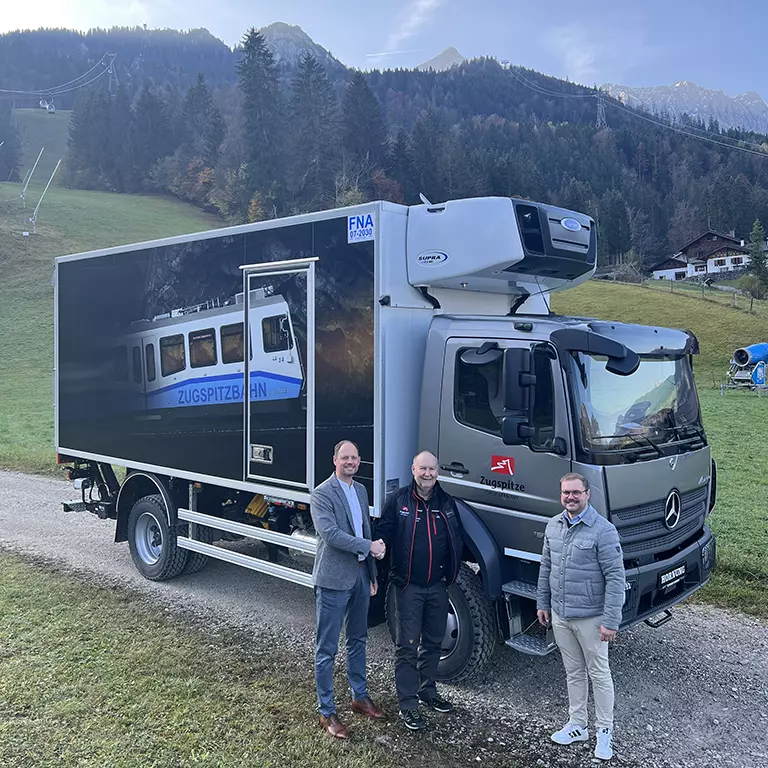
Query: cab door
x,y
515,489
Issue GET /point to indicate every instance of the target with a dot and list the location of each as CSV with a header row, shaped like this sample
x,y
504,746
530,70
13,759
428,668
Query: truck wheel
x,y
151,541
470,631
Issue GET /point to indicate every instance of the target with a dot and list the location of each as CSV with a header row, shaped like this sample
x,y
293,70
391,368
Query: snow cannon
x,y
751,355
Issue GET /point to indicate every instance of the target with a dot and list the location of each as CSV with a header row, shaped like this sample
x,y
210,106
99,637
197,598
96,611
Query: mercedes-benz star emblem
x,y
673,462
672,510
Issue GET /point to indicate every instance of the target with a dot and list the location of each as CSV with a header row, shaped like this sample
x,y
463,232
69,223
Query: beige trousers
x,y
585,654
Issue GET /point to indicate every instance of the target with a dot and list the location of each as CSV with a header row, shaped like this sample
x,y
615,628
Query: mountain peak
x,y
450,57
280,29
289,42
747,111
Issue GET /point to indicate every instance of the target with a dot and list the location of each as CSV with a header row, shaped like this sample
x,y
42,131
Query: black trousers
x,y
422,613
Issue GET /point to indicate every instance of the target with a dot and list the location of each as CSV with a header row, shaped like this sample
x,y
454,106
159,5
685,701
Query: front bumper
x,y
646,595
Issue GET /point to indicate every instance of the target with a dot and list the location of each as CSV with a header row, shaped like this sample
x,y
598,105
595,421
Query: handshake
x,y
378,549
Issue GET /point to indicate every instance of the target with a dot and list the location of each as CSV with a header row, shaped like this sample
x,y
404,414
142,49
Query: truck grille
x,y
642,530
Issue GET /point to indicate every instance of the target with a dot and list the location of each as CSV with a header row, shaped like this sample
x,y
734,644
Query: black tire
x,y
151,541
473,620
196,561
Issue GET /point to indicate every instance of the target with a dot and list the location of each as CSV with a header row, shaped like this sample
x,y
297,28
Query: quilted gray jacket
x,y
582,570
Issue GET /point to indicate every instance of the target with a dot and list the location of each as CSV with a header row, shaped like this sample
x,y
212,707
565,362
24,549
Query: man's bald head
x,y
424,470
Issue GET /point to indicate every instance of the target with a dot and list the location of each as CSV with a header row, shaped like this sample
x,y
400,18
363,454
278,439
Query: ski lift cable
x,y
70,82
598,95
64,90
636,113
685,132
53,90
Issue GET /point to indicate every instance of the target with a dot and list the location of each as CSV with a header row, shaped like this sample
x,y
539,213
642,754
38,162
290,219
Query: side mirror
x,y
519,393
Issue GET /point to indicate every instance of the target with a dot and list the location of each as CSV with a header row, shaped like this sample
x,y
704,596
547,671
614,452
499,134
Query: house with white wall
x,y
710,253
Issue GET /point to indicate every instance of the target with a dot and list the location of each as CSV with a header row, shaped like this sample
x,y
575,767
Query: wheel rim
x,y
148,538
452,630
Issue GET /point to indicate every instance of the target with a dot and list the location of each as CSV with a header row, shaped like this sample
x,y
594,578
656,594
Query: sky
x,y
716,44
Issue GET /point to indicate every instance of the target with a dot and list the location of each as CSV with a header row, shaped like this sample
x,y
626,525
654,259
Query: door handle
x,y
455,467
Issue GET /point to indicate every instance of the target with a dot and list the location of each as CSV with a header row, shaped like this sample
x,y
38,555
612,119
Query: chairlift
x,y
51,109
43,104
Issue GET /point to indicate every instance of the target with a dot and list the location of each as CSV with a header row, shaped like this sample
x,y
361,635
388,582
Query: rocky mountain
x,y
747,110
289,43
450,57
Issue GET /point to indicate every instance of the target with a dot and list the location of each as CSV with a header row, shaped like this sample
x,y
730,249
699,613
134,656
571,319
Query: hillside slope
x,y
720,329
39,129
69,222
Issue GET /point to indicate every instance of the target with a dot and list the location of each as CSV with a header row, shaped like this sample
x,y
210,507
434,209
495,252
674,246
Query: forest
x,y
235,132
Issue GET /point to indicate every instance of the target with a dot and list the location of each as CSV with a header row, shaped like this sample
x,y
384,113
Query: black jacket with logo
x,y
423,538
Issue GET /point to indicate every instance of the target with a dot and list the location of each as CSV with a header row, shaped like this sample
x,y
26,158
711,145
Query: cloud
x,y
578,50
394,53
594,53
412,19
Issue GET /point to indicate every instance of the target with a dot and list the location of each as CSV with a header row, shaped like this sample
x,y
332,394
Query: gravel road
x,y
692,694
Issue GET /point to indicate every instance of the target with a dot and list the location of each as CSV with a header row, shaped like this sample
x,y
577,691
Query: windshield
x,y
657,405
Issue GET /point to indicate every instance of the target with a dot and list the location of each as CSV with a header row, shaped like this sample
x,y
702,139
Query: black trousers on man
x,y
422,613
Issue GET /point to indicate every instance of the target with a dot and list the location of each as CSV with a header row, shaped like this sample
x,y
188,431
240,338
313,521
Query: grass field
x,y
714,295
102,678
99,678
40,129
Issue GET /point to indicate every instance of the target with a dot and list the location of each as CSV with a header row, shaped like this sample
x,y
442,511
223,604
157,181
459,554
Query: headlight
x,y
708,555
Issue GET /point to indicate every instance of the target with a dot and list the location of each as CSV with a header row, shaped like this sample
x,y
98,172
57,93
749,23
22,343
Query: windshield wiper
x,y
634,439
697,432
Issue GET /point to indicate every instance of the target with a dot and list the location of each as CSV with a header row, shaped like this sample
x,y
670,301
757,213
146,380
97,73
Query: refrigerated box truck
x,y
220,369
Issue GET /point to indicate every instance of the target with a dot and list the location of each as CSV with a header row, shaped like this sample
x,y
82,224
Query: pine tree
x,y
314,134
429,155
122,120
80,162
196,110
364,127
757,261
215,133
150,136
614,239
10,151
401,166
262,113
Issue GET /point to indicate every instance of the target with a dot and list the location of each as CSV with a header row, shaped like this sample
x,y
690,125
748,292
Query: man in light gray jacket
x,y
344,577
581,588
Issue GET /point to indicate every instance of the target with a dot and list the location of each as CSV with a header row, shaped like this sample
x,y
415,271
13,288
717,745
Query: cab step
x,y
534,639
520,588
74,506
540,644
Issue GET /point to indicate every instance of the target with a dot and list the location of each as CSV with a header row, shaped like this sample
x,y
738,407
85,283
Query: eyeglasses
x,y
576,494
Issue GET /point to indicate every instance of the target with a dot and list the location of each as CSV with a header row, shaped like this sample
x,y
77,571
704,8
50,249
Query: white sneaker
x,y
604,746
570,733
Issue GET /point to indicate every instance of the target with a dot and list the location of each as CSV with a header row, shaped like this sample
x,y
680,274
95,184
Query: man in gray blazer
x,y
344,577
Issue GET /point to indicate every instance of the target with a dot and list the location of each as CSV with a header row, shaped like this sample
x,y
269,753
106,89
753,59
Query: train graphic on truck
x,y
195,356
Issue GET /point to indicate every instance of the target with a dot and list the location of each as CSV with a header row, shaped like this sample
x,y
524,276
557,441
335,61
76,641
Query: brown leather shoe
x,y
334,726
368,708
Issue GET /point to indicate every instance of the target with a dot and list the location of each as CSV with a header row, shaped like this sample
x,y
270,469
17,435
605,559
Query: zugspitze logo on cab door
x,y
504,465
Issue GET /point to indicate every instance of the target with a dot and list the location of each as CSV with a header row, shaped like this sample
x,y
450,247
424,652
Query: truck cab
x,y
528,396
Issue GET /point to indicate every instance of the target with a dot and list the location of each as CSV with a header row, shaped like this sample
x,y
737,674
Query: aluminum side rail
x,y
237,558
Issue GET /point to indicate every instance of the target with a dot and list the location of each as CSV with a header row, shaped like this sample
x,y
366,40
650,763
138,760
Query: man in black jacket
x,y
422,532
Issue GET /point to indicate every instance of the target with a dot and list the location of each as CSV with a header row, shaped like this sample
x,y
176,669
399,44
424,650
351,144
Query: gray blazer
x,y
336,561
